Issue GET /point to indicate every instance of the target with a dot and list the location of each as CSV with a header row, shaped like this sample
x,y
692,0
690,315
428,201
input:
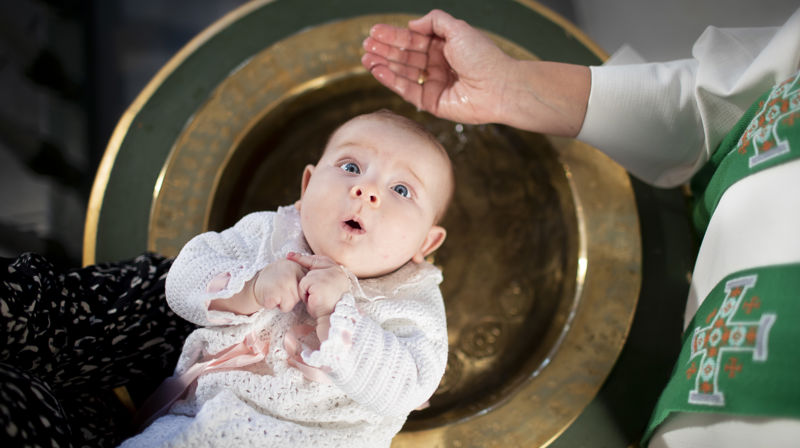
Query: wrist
x,y
520,103
244,302
508,92
546,97
323,327
253,289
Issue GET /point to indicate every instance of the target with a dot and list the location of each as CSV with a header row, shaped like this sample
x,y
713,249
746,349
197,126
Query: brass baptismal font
x,y
542,259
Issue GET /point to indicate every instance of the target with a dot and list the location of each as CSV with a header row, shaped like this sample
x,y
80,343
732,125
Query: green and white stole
x,y
741,351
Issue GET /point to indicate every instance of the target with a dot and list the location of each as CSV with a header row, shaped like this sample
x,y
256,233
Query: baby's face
x,y
372,200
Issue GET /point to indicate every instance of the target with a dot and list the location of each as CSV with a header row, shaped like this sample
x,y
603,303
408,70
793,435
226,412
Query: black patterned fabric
x,y
70,336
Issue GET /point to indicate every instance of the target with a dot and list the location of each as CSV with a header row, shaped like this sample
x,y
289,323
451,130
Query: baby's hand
x,y
277,285
323,285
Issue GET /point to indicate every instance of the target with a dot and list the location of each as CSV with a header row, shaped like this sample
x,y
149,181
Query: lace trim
x,y
334,353
287,234
220,287
407,276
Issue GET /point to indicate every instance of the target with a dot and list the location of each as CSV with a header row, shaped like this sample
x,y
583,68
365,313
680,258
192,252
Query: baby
x,y
367,345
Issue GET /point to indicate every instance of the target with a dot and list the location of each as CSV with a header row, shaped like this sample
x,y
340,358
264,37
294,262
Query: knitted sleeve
x,y
216,265
388,354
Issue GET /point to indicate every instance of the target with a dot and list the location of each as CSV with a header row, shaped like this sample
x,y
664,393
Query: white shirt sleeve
x,y
662,121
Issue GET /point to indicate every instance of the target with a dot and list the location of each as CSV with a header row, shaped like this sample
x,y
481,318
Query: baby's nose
x,y
366,193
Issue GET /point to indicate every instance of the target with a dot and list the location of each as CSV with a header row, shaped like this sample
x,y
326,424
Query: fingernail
x,y
291,255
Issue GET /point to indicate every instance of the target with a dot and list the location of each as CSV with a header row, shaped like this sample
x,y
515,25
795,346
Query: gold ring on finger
x,y
423,76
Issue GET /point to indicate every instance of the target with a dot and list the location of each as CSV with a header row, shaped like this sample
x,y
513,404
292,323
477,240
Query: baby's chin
x,y
359,267
372,273
362,270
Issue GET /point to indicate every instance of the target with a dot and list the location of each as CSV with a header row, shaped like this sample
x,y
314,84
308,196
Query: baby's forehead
x,y
378,130
377,121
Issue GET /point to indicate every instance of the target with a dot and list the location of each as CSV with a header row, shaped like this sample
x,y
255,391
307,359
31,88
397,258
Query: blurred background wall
x,y
69,69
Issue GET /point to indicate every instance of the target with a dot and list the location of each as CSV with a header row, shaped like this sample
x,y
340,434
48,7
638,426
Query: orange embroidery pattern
x,y
763,136
725,334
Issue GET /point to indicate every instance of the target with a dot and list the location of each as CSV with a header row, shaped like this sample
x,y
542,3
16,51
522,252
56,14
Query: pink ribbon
x,y
219,282
292,344
247,352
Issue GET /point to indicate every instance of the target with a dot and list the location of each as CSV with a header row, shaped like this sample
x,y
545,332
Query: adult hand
x,y
448,68
323,285
465,73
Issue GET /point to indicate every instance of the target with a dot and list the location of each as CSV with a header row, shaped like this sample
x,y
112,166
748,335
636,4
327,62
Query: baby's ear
x,y
306,179
304,184
435,238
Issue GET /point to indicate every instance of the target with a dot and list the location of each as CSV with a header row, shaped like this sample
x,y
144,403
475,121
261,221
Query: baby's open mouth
x,y
353,224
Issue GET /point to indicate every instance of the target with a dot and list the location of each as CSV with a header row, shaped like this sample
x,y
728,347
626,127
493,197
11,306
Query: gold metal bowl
x,y
542,259
542,263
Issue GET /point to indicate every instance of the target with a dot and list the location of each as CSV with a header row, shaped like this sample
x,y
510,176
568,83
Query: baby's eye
x,y
402,190
350,167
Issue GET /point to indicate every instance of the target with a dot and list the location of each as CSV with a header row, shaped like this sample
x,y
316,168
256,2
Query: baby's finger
x,y
289,300
310,262
306,261
302,288
270,302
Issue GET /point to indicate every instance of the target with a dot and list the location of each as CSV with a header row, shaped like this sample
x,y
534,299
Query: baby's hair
x,y
409,124
420,130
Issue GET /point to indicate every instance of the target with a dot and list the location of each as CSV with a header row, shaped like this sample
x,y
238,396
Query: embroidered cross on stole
x,y
740,351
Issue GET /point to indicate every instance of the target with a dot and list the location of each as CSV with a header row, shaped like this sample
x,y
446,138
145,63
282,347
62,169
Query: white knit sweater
x,y
385,355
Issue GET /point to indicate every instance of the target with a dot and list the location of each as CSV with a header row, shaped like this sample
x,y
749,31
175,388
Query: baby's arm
x,y
390,356
219,266
274,286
